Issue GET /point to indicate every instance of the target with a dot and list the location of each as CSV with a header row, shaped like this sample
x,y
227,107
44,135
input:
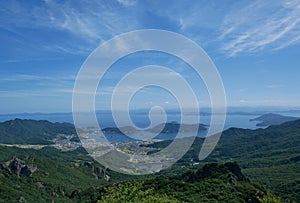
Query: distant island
x,y
164,130
273,119
43,132
171,127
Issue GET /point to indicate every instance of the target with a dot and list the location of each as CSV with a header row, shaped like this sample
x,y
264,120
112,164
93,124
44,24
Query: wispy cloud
x,y
198,20
274,86
24,93
127,2
104,91
26,77
262,25
34,85
86,22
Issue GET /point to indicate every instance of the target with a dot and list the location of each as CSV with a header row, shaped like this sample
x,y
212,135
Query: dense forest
x,y
246,166
29,131
48,174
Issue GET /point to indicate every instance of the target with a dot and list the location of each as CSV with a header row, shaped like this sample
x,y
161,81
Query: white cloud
x,y
100,92
91,19
24,93
274,86
26,77
261,25
127,2
87,22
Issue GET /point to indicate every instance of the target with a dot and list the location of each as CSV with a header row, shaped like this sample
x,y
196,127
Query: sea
x,y
142,120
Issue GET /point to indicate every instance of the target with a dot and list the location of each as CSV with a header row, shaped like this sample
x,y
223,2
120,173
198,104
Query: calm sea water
x,y
142,120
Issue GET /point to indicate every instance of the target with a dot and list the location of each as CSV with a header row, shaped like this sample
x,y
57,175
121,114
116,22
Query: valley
x,y
269,158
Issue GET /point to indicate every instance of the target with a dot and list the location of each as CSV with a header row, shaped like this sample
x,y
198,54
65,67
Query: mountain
x,y
269,156
27,131
272,119
174,127
113,134
165,131
49,175
211,183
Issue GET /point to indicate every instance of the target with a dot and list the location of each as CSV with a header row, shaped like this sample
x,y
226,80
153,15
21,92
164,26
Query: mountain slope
x,y
74,177
163,131
32,132
269,156
273,119
212,183
57,175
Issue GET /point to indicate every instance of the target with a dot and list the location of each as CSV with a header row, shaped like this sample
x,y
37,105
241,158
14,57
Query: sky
x,y
255,46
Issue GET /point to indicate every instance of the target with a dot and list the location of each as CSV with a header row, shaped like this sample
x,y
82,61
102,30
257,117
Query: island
x,y
273,119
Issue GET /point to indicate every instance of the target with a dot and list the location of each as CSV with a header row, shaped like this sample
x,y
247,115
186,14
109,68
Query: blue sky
x,y
255,46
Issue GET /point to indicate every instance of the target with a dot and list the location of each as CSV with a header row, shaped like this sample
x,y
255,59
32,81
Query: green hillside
x,y
212,183
32,132
74,177
273,119
57,176
269,156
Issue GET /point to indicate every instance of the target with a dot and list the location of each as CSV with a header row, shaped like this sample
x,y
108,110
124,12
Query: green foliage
x,y
62,174
212,183
32,132
63,181
269,198
273,119
268,156
134,192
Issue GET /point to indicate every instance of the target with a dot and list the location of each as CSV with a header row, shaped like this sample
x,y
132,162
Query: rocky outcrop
x,y
22,199
46,174
40,185
18,167
97,172
230,172
231,180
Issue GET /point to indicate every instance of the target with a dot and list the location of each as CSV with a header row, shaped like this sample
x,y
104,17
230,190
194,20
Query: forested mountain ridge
x,y
272,119
211,183
19,131
270,157
47,175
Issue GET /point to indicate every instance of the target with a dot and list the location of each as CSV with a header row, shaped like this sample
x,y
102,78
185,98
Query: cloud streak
x,y
26,77
86,22
25,93
261,26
